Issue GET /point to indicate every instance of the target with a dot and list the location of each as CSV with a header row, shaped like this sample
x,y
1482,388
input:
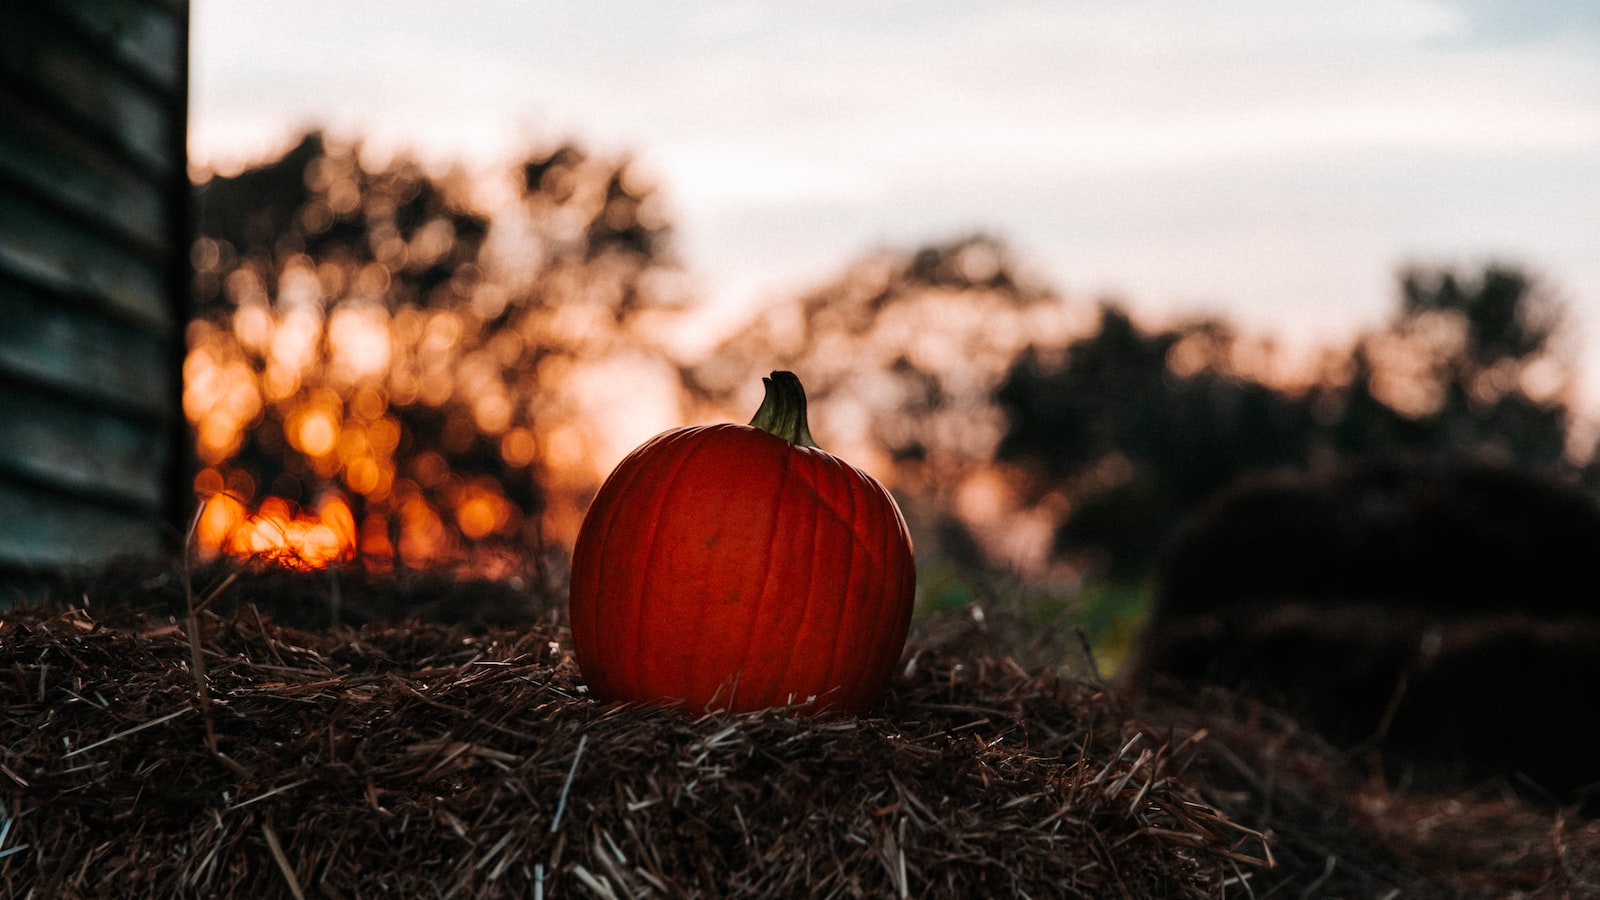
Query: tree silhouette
x,y
900,356
1139,428
1131,441
372,334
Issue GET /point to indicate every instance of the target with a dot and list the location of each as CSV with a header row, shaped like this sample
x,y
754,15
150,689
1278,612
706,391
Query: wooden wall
x,y
94,236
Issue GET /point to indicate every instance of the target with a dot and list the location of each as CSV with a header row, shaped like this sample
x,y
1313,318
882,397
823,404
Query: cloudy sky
x,y
1272,161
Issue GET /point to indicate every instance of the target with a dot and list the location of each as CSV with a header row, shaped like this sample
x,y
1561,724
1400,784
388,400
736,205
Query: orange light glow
x,y
423,537
451,365
481,510
314,433
308,539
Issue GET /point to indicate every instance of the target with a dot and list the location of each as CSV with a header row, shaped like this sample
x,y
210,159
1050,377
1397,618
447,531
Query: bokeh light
x,y
375,348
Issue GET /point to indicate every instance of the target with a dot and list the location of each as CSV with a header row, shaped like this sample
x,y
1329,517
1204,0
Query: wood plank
x,y
48,249
93,194
145,38
81,176
63,532
82,451
74,351
38,53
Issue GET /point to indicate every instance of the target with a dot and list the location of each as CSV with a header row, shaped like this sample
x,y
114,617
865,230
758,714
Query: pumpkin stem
x,y
783,410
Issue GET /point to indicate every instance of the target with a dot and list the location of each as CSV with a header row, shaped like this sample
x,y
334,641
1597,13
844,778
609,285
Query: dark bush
x,y
1440,612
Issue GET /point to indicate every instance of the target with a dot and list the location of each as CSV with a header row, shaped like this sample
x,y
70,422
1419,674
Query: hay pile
x,y
1338,827
145,754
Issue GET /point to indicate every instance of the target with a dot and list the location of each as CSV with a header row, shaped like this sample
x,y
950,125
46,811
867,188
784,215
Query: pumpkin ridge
x,y
591,624
890,526
891,529
848,523
808,595
864,507
660,502
850,475
757,615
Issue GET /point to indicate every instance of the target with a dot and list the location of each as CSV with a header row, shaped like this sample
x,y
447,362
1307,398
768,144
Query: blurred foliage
x,y
1022,435
900,356
367,332
923,336
1138,428
450,365
1133,427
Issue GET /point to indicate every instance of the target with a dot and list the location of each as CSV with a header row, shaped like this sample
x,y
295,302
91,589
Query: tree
x,y
370,334
1137,429
900,356
1114,425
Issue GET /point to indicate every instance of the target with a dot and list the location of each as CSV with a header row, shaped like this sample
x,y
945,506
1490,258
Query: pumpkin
x,y
741,567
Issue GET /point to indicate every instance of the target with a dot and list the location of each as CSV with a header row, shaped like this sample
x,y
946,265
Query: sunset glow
x,y
274,532
458,380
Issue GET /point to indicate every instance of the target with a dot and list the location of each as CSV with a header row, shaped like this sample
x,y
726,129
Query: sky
x,y
1272,162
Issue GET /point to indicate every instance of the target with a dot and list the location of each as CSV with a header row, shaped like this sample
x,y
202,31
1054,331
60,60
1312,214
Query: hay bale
x,y
1339,828
1441,612
1448,538
145,755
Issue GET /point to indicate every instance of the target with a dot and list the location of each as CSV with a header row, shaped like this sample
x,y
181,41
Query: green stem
x,y
783,410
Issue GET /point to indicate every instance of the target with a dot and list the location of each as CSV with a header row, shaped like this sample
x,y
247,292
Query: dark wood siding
x,y
94,233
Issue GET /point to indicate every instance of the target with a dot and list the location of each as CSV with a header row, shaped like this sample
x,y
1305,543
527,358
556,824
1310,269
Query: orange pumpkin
x,y
741,567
